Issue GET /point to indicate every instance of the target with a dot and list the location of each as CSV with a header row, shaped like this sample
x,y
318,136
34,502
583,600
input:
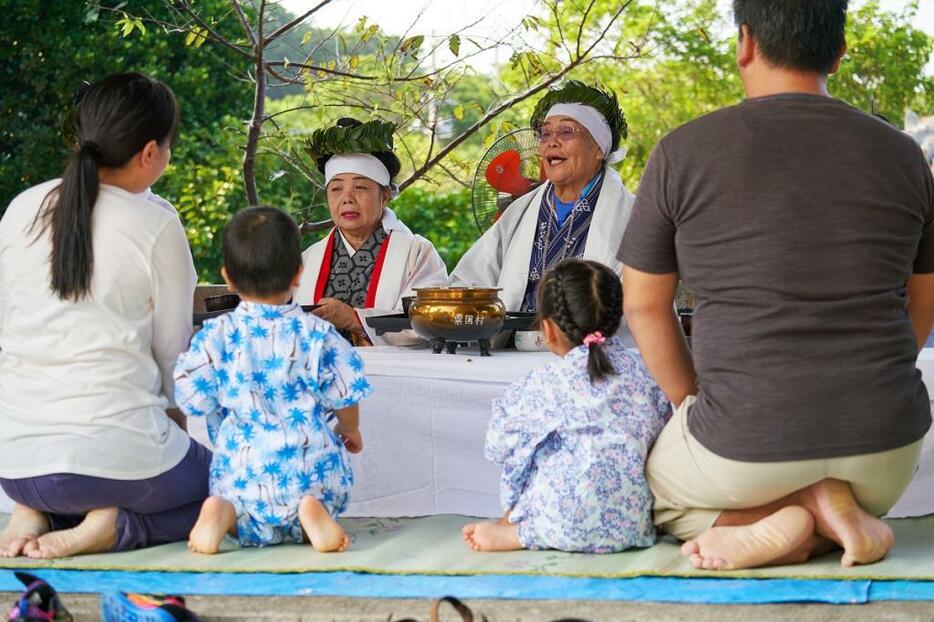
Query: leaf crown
x,y
576,92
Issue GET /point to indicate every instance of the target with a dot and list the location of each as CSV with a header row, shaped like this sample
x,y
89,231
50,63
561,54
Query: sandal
x,y
121,606
38,603
461,608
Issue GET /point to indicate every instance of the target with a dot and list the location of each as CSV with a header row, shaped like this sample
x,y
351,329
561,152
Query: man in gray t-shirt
x,y
805,229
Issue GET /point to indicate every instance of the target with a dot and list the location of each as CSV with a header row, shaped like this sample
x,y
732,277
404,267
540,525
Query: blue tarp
x,y
351,584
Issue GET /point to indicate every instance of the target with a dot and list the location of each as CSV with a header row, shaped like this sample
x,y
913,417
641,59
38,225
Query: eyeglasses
x,y
562,134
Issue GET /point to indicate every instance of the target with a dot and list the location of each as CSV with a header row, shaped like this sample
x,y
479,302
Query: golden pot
x,y
457,313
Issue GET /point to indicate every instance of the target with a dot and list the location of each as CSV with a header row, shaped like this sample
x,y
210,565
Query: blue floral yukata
x,y
267,378
573,453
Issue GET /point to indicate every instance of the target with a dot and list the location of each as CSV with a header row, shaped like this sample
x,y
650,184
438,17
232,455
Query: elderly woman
x,y
580,212
370,259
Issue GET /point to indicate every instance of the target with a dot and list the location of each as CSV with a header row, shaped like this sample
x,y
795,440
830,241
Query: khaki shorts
x,y
692,485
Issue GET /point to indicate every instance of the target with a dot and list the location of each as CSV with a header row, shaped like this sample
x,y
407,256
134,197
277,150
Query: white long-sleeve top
x,y
84,385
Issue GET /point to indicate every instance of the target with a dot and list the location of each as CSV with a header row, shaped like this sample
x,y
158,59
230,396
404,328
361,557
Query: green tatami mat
x,y
433,545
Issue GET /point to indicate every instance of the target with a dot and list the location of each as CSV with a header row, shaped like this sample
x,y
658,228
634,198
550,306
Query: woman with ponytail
x,y
572,437
96,286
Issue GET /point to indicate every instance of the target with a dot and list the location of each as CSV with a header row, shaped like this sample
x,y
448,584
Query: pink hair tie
x,y
595,337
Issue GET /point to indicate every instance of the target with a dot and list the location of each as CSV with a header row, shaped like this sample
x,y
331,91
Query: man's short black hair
x,y
806,35
262,251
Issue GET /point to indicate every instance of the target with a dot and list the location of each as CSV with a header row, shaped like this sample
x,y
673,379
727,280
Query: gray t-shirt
x,y
795,220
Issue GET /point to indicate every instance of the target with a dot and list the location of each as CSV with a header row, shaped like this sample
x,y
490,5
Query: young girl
x,y
572,438
267,376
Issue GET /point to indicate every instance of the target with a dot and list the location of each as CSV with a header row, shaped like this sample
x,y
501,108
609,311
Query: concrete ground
x,y
85,608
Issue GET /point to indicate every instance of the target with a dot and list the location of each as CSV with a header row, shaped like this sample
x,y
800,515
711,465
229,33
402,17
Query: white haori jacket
x,y
406,261
500,258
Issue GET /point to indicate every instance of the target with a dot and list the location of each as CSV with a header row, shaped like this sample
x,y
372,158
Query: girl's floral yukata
x,y
267,378
573,453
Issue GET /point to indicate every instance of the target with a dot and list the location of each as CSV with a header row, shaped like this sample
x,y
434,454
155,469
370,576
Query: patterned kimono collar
x,y
349,276
266,311
554,242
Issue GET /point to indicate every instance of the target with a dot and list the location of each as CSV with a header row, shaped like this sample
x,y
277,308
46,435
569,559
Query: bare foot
x,y
97,533
492,536
21,533
767,542
865,539
324,533
217,518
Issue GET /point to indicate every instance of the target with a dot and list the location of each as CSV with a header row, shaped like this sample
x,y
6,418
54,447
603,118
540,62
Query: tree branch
x,y
334,72
295,22
453,176
251,35
596,42
355,106
580,29
282,78
554,13
259,107
211,31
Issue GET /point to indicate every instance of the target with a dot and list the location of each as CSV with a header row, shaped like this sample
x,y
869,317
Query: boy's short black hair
x,y
806,35
262,251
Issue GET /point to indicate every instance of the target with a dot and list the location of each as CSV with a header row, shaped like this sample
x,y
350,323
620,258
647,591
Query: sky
x,y
490,19
443,16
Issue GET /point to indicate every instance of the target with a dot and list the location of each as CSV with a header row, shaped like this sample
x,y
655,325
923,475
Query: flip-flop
x,y
122,606
466,614
39,602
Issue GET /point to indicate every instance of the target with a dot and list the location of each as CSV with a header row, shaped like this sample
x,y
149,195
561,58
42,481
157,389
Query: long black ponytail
x,y
113,120
583,298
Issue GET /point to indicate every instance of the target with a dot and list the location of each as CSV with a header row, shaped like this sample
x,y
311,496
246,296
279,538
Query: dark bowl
x,y
222,302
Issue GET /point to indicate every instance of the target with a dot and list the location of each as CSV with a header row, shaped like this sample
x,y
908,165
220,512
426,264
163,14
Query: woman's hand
x,y
353,441
178,417
341,315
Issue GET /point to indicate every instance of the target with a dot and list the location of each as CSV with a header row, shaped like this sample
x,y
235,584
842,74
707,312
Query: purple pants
x,y
152,511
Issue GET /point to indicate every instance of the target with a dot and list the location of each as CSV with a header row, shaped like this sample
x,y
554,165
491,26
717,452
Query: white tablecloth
x,y
425,424
424,428
918,499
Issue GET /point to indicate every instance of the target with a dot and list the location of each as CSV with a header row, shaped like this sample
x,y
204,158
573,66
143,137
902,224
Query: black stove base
x,y
441,344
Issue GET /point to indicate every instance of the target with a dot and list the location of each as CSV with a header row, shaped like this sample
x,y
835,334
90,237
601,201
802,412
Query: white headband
x,y
359,163
595,123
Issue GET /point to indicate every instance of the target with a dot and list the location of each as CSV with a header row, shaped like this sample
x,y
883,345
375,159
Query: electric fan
x,y
510,168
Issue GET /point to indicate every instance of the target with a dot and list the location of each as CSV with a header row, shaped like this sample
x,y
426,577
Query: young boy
x,y
267,377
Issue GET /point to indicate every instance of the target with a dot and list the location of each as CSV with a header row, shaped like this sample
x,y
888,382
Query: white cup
x,y
530,341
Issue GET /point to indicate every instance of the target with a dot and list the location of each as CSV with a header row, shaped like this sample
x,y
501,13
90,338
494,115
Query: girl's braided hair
x,y
583,297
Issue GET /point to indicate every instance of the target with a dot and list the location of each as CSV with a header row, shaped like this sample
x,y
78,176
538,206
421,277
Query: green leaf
x,y
367,137
459,112
128,24
412,44
454,44
307,38
370,32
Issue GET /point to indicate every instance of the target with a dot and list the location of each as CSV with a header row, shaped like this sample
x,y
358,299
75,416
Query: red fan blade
x,y
505,175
